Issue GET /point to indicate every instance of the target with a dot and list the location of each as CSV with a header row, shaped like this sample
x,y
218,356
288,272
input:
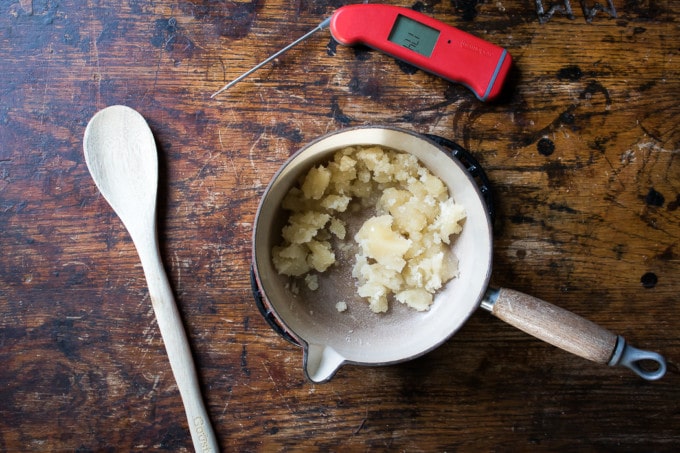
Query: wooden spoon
x,y
120,153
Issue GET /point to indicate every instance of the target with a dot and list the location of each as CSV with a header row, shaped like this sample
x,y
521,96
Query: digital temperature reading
x,y
417,39
414,35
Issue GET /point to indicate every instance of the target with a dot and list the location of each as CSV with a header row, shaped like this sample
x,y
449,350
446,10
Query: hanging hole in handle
x,y
646,364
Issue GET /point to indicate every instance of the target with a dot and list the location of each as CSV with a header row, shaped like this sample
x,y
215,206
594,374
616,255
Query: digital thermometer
x,y
419,40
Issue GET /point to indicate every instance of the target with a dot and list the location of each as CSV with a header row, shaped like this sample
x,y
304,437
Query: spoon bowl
x,y
120,153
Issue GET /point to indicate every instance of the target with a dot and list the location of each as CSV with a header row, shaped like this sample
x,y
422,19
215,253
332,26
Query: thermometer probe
x,y
417,39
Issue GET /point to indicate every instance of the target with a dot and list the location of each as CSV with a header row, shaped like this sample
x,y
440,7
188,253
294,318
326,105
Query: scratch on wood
x,y
97,76
276,387
226,403
361,426
653,147
155,378
27,6
149,332
628,157
251,151
76,263
179,271
230,157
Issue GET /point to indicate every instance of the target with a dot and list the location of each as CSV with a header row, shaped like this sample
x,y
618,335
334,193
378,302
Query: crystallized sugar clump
x,y
403,248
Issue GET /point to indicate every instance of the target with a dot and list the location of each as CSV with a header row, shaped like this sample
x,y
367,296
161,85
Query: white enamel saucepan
x,y
331,338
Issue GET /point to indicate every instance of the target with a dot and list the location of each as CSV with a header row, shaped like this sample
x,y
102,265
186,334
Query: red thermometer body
x,y
426,43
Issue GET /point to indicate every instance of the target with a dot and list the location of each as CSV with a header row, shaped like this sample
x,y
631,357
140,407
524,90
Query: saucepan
x,y
331,338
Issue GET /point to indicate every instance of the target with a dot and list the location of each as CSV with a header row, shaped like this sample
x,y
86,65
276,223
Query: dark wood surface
x,y
582,152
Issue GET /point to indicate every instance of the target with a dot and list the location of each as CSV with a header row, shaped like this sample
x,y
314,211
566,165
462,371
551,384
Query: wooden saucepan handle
x,y
569,331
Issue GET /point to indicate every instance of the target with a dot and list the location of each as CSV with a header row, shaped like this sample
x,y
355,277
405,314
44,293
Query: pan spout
x,y
321,362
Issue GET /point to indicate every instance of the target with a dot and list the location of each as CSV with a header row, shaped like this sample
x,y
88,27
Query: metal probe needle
x,y
319,27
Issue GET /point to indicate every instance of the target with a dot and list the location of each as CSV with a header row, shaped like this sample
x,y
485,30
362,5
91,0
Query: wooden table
x,y
582,152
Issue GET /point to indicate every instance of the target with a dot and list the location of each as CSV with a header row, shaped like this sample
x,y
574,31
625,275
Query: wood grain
x,y
582,152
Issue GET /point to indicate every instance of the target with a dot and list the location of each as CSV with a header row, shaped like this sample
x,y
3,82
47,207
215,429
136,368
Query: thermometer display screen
x,y
414,35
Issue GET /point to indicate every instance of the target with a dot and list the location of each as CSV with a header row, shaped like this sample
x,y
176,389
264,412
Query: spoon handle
x,y
176,345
